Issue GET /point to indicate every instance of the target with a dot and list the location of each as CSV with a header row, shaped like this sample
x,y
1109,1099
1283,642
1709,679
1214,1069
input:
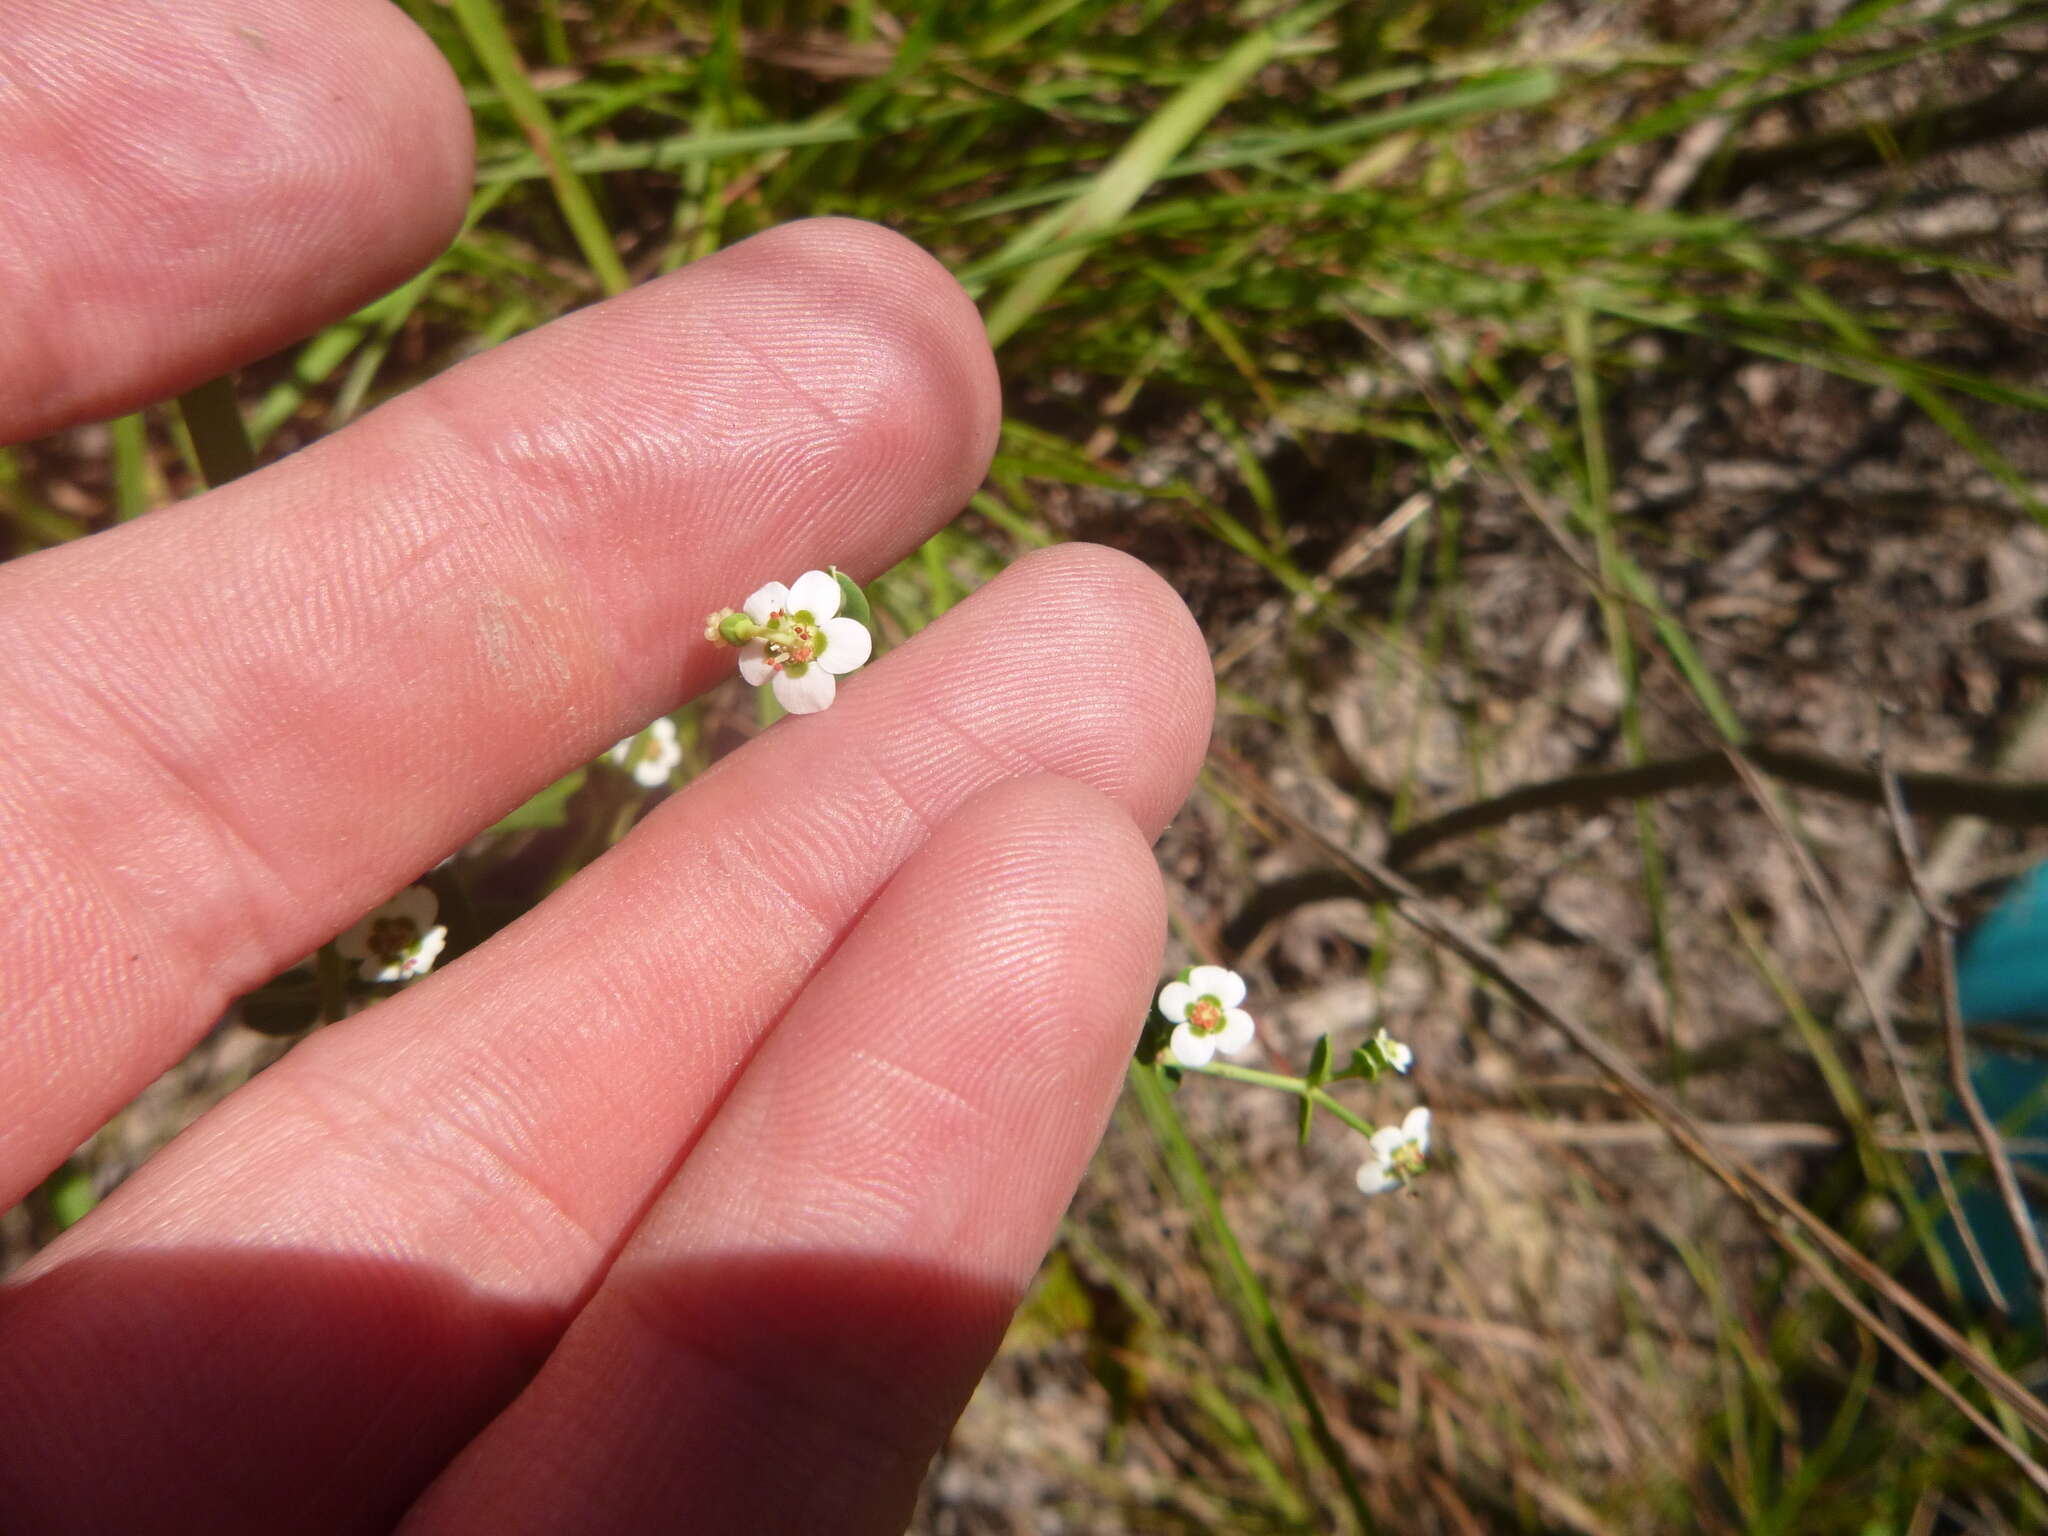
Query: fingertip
x,y
1126,647
199,184
1073,880
895,344
420,120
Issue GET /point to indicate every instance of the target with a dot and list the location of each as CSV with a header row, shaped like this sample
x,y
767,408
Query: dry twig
x,y
1942,927
1909,1088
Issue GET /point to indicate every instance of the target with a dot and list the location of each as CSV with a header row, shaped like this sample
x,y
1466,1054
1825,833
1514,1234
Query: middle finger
x,y
377,1240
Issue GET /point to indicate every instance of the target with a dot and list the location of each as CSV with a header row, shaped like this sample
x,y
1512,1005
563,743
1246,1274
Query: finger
x,y
410,1205
190,186
227,731
828,1275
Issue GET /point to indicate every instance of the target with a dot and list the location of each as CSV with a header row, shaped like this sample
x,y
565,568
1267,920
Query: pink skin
x,y
229,729
192,185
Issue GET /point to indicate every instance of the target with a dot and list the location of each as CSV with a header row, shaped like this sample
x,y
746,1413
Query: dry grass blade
x,y
1943,934
1838,927
1952,852
1779,1212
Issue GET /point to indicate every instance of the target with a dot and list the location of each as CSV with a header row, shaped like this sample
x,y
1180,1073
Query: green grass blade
x,y
485,28
1128,176
220,443
1255,1306
131,466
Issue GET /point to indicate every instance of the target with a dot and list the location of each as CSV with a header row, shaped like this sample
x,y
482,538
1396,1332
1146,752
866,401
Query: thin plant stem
x,y
220,443
1294,1085
1942,922
1260,1318
1766,796
333,983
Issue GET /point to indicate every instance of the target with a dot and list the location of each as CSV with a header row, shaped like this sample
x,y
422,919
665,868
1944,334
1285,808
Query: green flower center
x,y
1206,1016
790,642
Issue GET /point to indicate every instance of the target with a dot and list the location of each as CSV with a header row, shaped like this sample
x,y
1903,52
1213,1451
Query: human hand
x,y
699,1197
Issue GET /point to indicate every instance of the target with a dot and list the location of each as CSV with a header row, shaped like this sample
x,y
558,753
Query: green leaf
x,y
1319,1062
853,603
70,1194
549,808
1308,1115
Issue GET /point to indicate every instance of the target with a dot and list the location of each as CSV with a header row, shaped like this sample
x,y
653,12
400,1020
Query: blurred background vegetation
x,y
1642,398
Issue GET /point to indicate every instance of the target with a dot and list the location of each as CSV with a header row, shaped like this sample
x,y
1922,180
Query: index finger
x,y
190,186
229,728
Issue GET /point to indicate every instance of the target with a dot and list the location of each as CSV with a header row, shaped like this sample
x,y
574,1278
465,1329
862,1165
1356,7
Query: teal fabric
x,y
2002,978
2003,970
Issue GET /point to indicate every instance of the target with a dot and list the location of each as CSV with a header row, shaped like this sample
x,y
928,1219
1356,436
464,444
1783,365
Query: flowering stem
x,y
1256,1313
333,983
1297,1086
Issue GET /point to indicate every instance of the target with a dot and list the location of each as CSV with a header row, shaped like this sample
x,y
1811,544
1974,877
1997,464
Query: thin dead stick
x,y
1766,797
1754,1136
1368,543
1774,1207
1954,849
1354,555
2012,802
1540,509
1942,925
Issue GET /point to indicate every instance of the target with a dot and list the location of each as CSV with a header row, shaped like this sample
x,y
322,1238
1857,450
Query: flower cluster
x,y
650,755
397,941
795,639
1205,1006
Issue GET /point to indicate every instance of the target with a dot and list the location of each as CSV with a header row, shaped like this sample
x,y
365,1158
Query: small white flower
x,y
1393,1052
1204,1009
808,645
1397,1153
656,759
399,940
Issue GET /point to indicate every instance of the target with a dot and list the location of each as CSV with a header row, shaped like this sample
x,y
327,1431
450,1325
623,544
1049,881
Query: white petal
x,y
772,598
618,753
754,663
847,645
1236,1033
661,754
1388,1140
1174,999
1227,987
808,694
1416,1127
1191,1049
415,902
815,593
420,958
1376,1178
